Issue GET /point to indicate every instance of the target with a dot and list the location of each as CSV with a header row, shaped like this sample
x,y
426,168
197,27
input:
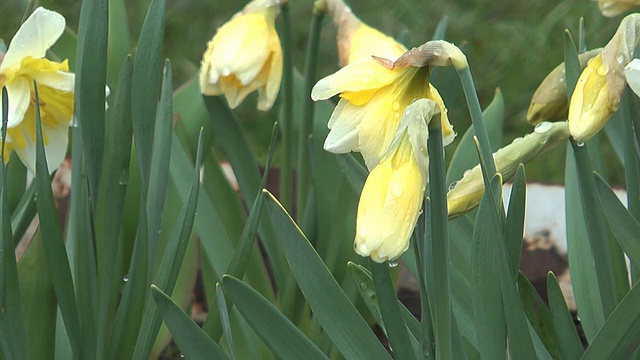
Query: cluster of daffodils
x,y
24,63
244,56
378,115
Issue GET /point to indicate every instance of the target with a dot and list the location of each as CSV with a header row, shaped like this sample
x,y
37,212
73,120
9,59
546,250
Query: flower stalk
x,y
286,175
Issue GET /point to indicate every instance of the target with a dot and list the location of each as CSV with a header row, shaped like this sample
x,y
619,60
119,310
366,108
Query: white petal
x,y
58,80
55,148
632,73
41,30
19,98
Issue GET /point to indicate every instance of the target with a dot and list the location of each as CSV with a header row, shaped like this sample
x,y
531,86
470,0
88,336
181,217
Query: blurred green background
x,y
509,44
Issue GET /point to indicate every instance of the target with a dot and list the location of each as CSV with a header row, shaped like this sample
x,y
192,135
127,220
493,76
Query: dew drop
x,y
453,185
620,59
124,177
363,285
74,122
396,189
580,143
561,79
125,278
396,105
466,172
516,140
393,263
602,70
543,127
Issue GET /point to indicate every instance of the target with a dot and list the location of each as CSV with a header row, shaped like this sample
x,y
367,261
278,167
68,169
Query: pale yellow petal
x,y
362,75
59,80
268,94
344,135
19,93
55,147
36,35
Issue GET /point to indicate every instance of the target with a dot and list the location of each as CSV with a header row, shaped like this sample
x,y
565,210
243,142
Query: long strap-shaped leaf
x,y
277,332
337,315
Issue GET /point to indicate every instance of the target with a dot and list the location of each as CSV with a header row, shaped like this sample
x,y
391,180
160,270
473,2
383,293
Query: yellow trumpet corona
x,y
392,195
23,63
244,56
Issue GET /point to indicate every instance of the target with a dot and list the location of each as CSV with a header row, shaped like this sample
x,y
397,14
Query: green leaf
x,y
119,43
191,340
110,210
171,260
539,316
54,244
224,316
338,317
390,311
623,225
277,332
619,337
145,85
568,339
514,224
354,171
160,159
571,63
583,273
485,289
24,212
91,73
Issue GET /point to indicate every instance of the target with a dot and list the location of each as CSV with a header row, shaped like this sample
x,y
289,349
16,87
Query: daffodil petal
x,y
38,33
55,147
344,135
59,80
19,98
361,75
267,95
632,73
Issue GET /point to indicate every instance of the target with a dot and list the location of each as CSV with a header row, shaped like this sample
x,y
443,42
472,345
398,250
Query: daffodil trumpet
x,y
393,192
245,56
600,86
22,64
465,194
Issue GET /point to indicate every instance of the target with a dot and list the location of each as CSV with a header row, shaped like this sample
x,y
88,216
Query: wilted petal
x,y
36,35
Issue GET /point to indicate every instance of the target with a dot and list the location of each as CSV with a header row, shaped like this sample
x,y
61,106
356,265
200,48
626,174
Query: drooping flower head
x,y
357,40
392,195
244,56
23,63
611,8
373,95
601,85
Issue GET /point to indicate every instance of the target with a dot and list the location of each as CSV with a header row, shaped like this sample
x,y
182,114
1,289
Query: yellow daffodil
x,y
244,56
549,101
600,86
23,63
373,95
611,8
392,195
466,193
357,40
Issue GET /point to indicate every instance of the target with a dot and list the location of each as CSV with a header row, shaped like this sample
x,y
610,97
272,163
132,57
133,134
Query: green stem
x,y
631,171
306,128
419,248
287,127
477,119
440,235
596,230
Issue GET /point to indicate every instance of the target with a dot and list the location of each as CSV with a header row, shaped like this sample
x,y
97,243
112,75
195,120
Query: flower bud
x,y
549,101
465,194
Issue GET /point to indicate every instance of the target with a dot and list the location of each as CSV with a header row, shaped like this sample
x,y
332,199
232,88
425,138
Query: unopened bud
x,y
431,53
467,192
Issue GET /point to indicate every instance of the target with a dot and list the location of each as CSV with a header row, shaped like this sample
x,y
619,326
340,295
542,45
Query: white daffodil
x,y
23,63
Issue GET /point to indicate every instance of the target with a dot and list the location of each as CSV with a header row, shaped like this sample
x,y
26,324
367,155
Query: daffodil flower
x,y
372,100
357,40
244,56
23,63
392,195
600,86
611,8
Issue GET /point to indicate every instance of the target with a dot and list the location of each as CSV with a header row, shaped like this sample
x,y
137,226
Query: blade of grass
x,y
340,320
191,340
278,333
54,244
